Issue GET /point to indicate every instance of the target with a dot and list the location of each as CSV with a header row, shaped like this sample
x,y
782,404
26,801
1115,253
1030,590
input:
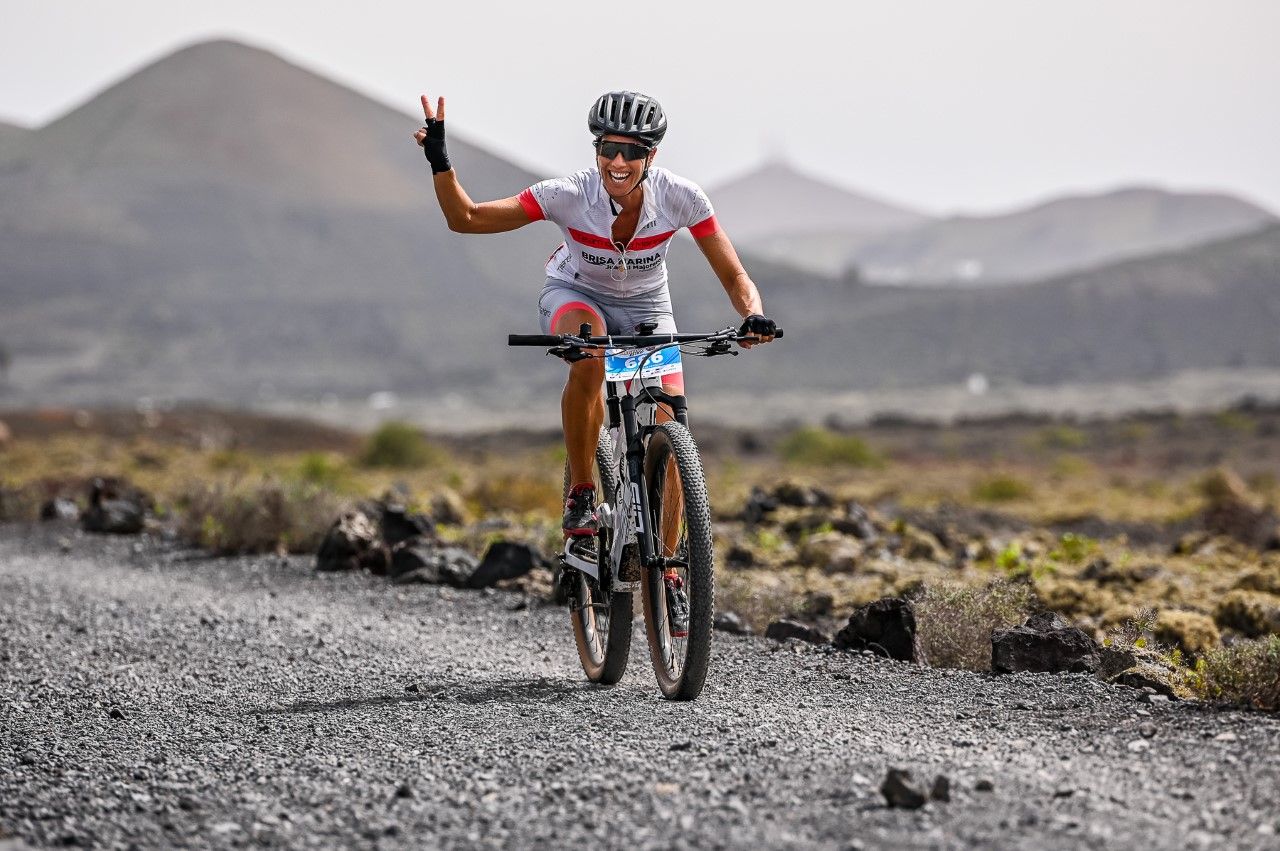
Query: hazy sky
x,y
946,105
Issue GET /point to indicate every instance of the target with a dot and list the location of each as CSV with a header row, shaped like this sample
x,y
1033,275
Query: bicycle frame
x,y
633,496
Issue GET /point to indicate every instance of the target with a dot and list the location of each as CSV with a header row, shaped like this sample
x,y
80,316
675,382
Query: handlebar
x,y
549,340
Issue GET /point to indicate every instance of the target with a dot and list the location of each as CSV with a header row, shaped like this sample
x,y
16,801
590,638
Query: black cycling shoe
x,y
677,605
580,511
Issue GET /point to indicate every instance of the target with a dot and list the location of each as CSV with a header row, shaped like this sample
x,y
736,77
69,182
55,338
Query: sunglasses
x,y
629,150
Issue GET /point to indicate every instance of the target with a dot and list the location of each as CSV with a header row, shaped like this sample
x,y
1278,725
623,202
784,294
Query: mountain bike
x,y
654,515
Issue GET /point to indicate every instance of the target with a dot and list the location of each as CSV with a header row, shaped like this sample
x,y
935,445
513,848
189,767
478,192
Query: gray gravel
x,y
153,698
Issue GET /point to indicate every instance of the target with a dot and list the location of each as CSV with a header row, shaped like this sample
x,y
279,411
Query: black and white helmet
x,y
628,114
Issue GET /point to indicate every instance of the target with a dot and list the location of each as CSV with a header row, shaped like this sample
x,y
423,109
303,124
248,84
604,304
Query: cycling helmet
x,y
628,114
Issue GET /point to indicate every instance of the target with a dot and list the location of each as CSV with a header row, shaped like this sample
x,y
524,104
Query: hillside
x,y
1064,234
216,244
780,213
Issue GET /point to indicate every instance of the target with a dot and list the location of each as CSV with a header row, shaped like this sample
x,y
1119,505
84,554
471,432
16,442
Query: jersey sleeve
x,y
698,215
550,199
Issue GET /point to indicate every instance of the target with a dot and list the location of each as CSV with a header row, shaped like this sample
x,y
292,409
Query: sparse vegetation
x,y
399,446
262,517
1003,487
1247,673
955,621
820,446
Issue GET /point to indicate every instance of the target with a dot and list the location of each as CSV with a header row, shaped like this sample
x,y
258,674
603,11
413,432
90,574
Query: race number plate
x,y
624,365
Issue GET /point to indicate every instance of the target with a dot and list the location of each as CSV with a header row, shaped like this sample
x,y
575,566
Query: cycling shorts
x,y
619,315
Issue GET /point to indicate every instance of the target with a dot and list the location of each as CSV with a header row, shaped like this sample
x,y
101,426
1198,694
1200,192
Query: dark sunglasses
x,y
629,150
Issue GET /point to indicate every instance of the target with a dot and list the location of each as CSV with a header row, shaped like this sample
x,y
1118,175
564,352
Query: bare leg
x,y
672,495
582,402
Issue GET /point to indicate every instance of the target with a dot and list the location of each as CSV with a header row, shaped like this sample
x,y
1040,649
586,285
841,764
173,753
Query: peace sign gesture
x,y
431,116
431,136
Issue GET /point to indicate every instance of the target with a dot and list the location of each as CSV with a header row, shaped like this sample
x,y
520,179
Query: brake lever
x,y
568,353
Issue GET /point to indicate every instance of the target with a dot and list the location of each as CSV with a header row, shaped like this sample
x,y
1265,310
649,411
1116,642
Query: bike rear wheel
x,y
680,513
601,620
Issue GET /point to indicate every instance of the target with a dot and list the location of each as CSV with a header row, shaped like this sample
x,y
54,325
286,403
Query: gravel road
x,y
152,698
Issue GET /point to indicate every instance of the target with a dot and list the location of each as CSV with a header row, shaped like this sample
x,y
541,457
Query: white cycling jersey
x,y
588,258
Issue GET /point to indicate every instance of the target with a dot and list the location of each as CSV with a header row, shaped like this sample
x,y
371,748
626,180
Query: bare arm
x,y
462,214
742,291
728,268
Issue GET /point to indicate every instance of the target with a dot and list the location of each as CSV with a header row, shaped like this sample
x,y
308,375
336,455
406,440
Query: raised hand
x,y
431,116
431,136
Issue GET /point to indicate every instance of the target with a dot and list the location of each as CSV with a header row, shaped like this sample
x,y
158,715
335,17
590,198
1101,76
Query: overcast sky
x,y
947,105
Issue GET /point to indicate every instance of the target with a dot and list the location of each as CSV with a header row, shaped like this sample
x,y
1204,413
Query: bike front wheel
x,y
601,619
680,513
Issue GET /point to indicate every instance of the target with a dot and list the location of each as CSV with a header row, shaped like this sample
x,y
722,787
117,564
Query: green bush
x,y
820,446
325,470
398,445
1002,487
1246,673
1062,437
954,622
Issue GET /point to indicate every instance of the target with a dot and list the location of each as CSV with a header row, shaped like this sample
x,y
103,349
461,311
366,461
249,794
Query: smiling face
x,y
621,175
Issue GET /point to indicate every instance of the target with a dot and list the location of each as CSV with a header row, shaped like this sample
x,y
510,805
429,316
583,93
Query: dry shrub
x,y
399,446
954,622
823,447
1191,632
1254,613
1002,487
1246,673
517,492
267,516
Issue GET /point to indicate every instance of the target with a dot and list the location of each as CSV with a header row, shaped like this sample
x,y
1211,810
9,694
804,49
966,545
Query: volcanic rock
x,y
59,508
419,562
114,508
1254,613
505,560
398,524
781,630
886,627
801,496
759,506
731,622
1045,642
352,542
899,791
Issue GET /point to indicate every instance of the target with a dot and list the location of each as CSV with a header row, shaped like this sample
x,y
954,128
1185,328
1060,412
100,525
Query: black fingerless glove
x,y
433,146
761,326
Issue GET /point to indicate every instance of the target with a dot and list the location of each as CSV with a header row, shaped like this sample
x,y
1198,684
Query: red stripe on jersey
x,y
706,227
644,243
591,240
532,208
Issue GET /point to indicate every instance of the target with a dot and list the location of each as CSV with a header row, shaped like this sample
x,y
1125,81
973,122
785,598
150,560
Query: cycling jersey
x,y
588,259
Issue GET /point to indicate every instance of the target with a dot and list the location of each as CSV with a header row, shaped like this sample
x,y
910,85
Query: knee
x,y
587,374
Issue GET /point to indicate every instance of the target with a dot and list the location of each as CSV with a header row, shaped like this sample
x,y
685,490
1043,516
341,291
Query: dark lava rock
x,y
801,496
1044,643
398,524
404,790
732,622
899,791
857,522
116,714
784,629
941,788
505,560
114,508
887,627
1103,572
351,543
740,556
759,506
60,508
418,562
984,785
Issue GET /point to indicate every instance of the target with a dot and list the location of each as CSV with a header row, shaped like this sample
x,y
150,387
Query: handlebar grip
x,y
777,333
533,340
